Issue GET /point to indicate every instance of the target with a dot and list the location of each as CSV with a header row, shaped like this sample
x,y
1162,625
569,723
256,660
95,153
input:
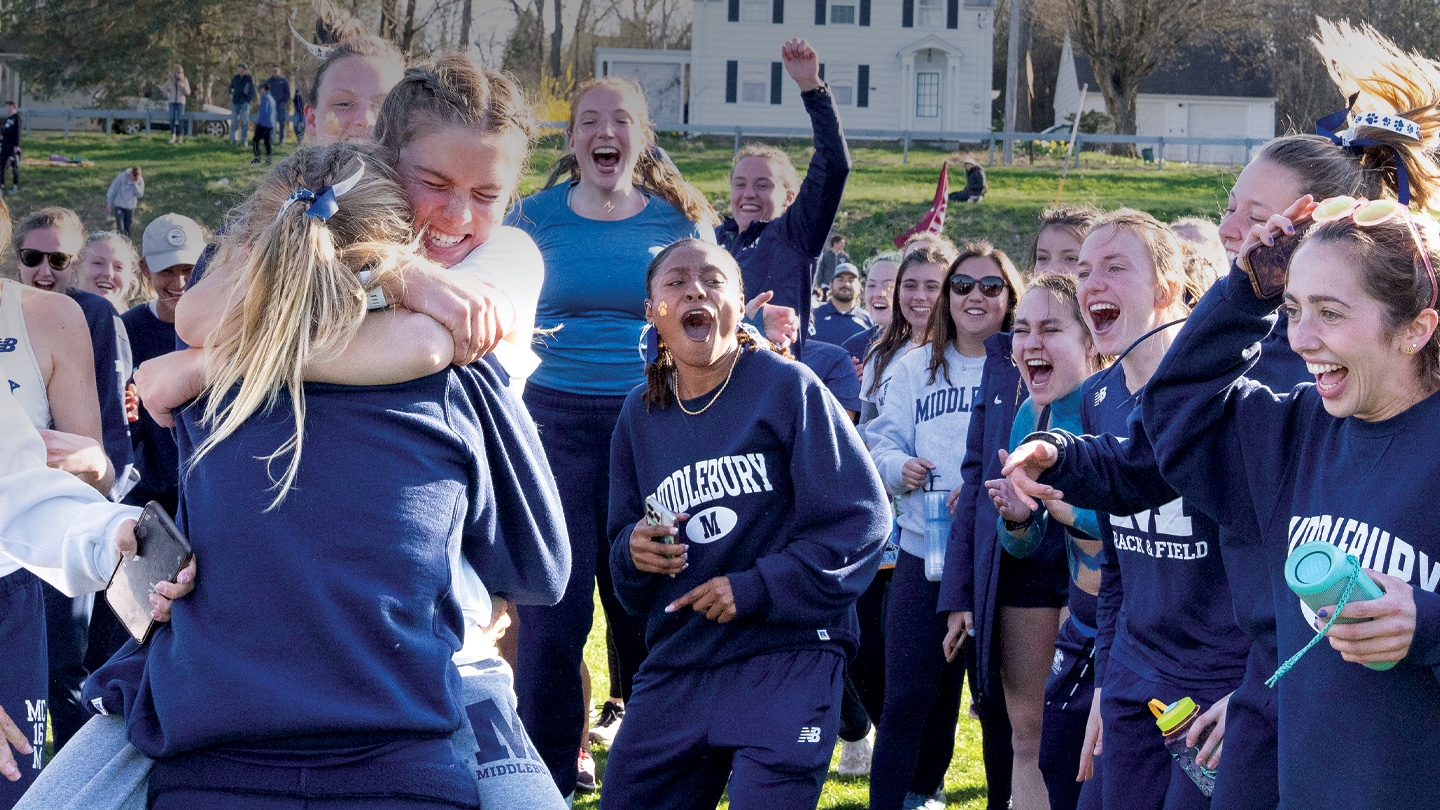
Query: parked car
x,y
160,120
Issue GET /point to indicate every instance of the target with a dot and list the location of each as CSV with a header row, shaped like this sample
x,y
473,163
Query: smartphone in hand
x,y
162,551
1268,265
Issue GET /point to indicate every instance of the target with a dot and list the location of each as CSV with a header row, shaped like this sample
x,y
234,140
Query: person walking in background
x,y
264,124
242,92
125,192
176,90
975,183
280,91
299,118
830,260
10,146
842,317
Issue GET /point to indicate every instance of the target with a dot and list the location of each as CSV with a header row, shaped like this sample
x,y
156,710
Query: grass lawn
x,y
204,178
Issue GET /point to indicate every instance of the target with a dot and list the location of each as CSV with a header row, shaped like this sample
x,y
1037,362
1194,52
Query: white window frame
x,y
756,11
842,82
930,13
924,98
837,8
753,76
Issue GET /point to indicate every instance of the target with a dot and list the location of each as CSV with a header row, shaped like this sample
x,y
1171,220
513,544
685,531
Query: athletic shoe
x,y
607,724
255,162
855,757
917,801
585,771
14,189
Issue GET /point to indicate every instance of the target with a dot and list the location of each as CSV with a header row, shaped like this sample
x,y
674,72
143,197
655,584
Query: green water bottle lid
x,y
1314,567
1175,714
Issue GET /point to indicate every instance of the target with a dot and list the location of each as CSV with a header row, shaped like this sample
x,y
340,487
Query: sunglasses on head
x,y
990,286
32,258
1369,213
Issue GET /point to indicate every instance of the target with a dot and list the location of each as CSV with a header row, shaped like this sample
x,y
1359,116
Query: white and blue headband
x,y
325,201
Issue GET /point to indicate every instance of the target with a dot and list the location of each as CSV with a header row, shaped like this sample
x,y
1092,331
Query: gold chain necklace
x,y
678,401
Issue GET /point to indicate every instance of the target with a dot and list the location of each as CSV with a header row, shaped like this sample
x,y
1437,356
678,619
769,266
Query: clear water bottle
x,y
1174,721
937,528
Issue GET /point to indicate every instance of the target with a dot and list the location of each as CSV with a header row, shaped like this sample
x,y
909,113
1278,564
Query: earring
x,y
1412,349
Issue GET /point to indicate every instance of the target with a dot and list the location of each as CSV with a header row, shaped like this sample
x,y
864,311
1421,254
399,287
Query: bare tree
x,y
1127,40
557,43
467,11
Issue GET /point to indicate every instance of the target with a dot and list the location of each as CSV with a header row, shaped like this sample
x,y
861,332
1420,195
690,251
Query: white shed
x,y
1204,95
663,75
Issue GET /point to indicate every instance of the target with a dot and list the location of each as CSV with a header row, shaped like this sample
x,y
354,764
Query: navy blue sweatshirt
x,y
832,365
111,349
157,459
1164,606
329,620
782,499
972,555
780,254
1279,470
859,343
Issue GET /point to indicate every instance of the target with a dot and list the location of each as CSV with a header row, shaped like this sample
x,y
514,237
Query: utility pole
x,y
1012,75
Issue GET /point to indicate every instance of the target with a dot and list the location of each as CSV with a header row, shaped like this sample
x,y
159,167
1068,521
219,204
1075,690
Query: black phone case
x,y
162,552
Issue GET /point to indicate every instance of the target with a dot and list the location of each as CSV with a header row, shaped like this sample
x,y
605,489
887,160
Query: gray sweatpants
x,y
100,770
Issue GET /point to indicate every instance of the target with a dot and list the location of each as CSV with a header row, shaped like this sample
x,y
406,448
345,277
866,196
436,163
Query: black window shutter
x,y
734,11
777,12
732,80
864,12
862,86
907,14
822,71
952,14
819,12
777,76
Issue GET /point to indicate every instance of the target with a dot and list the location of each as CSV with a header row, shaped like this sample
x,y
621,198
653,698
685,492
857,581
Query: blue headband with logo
x,y
1333,126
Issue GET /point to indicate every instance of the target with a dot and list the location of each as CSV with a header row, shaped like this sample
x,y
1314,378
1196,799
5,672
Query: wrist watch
x,y
375,296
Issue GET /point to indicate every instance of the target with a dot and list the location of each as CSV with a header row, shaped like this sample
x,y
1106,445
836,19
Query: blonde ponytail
x,y
296,297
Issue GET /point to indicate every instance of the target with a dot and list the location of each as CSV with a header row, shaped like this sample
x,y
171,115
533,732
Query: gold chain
x,y
738,351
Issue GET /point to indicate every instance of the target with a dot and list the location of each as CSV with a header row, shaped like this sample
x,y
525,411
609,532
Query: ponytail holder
x,y
317,51
1330,127
649,344
323,203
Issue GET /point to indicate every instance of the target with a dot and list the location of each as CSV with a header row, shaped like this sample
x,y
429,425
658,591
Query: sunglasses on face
x,y
32,258
990,286
1369,213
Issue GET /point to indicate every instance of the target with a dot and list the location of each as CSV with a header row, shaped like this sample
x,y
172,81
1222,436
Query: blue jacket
x,y
331,617
972,570
113,364
782,500
265,117
781,254
1278,470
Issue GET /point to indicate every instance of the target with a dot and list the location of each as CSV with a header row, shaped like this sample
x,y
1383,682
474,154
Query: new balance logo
x,y
1100,395
809,734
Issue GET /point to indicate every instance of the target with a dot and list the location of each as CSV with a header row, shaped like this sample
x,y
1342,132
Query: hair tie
x,y
317,51
323,203
1330,127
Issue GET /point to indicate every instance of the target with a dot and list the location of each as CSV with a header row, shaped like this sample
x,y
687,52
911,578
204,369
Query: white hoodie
x,y
51,522
920,419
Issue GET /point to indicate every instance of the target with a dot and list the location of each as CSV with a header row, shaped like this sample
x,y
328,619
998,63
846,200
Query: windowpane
x,y
930,13
927,95
844,95
842,15
758,11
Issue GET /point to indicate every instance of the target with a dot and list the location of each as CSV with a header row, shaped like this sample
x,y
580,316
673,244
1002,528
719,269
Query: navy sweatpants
x,y
404,775
1249,774
916,735
866,672
575,431
67,633
1068,694
764,725
1142,774
24,684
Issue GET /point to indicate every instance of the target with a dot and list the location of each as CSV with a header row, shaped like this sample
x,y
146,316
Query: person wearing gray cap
x,y
840,318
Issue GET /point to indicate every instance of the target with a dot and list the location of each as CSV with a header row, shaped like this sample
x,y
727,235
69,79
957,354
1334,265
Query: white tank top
x,y
18,368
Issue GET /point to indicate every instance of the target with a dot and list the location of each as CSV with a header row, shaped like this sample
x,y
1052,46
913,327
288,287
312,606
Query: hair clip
x,y
322,204
317,51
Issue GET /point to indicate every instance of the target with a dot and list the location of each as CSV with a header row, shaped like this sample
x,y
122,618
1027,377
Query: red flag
x,y
934,220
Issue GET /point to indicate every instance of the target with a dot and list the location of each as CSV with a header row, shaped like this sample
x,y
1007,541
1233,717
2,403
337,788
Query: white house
x,y
1206,96
918,65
